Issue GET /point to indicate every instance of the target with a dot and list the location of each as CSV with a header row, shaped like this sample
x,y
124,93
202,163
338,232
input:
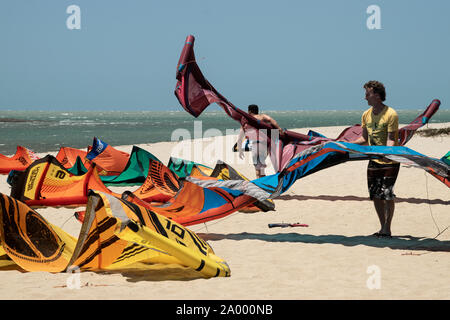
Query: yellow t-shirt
x,y
379,125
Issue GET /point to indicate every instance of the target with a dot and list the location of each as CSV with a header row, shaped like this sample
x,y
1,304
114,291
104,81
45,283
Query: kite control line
x,y
285,225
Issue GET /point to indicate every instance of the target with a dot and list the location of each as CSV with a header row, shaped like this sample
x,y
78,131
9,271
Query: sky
x,y
281,55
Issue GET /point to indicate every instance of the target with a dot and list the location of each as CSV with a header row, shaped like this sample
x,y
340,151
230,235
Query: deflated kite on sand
x,y
20,161
47,183
115,234
192,204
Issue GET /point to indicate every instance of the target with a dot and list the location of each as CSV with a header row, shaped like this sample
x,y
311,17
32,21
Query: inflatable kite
x,y
184,168
191,204
47,183
446,158
69,157
114,235
187,203
135,171
324,156
111,160
195,94
223,171
20,161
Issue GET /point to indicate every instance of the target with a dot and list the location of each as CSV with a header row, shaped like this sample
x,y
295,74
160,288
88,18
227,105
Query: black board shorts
x,y
381,179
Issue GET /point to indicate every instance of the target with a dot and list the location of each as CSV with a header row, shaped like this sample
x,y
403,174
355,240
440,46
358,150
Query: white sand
x,y
333,258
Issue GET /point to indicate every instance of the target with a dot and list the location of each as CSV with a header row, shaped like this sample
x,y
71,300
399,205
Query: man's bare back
x,y
257,154
266,119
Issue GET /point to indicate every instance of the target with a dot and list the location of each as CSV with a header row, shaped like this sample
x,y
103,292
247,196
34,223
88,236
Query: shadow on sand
x,y
140,271
356,198
159,272
396,242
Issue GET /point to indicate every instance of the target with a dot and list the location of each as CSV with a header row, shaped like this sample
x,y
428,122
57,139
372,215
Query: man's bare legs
x,y
385,211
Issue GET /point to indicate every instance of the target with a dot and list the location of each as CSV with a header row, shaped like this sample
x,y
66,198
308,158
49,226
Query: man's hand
x,y
239,143
391,139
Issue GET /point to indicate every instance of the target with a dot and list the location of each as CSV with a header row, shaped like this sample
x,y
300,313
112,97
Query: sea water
x,y
47,131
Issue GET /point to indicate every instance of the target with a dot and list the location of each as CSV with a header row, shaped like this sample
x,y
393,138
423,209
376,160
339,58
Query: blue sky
x,y
278,54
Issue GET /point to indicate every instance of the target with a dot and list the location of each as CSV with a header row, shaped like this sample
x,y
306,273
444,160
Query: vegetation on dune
x,y
433,132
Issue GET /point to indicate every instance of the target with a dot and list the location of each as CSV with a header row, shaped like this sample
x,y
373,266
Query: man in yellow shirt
x,y
380,128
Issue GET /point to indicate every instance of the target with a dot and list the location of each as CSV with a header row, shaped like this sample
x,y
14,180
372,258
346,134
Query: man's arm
x,y
392,130
274,124
391,139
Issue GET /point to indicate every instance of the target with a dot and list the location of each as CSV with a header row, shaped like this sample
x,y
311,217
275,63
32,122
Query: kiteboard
x,y
285,225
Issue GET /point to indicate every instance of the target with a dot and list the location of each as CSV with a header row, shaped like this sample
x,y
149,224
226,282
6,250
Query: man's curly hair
x,y
377,87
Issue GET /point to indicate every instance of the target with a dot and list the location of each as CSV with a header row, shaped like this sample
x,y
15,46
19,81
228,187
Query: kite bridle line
x,y
431,214
217,221
429,203
70,217
431,211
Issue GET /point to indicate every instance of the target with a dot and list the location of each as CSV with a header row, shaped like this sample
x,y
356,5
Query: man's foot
x,y
382,235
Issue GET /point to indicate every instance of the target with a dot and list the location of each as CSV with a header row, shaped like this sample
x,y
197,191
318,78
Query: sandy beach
x,y
335,257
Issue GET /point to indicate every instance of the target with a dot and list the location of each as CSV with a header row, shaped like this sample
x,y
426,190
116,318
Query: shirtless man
x,y
259,147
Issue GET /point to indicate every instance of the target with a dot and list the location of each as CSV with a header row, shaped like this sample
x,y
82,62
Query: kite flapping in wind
x,y
195,94
113,236
323,156
332,153
354,132
19,161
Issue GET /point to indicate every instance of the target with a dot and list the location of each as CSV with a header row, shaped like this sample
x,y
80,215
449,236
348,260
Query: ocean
x,y
47,131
